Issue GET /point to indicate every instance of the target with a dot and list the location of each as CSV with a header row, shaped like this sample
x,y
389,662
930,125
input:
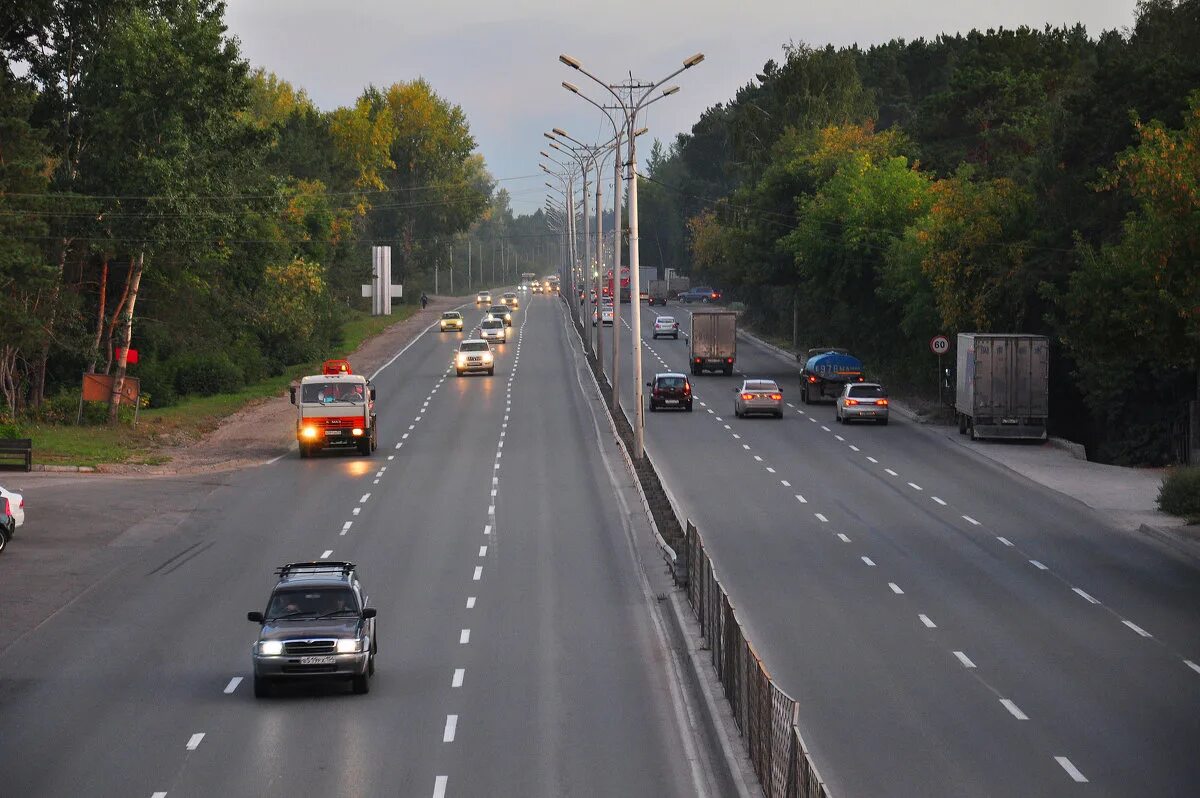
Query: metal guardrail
x,y
764,713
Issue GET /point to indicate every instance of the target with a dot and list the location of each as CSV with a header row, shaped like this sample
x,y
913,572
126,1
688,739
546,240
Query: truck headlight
x,y
309,432
349,646
356,431
270,648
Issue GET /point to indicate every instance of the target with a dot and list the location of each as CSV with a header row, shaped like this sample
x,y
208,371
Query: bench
x,y
13,448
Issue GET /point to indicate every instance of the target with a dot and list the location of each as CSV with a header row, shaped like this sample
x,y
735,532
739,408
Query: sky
x,y
499,60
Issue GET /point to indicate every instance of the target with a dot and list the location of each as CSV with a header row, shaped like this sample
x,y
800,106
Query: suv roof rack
x,y
315,567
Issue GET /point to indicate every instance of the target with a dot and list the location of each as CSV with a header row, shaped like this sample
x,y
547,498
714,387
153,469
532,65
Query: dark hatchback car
x,y
670,389
317,625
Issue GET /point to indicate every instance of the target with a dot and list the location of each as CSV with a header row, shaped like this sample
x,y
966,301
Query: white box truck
x,y
1002,385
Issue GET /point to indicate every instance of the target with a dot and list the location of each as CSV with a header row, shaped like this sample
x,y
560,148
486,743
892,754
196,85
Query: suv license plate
x,y
326,660
672,401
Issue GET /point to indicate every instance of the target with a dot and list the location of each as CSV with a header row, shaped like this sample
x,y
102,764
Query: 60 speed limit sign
x,y
939,344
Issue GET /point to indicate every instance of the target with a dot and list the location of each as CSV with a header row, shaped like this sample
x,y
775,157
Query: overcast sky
x,y
499,60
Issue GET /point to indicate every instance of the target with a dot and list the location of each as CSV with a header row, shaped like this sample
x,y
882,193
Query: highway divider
x,y
765,715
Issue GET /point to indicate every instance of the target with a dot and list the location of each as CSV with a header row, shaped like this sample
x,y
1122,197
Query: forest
x,y
158,194
1042,181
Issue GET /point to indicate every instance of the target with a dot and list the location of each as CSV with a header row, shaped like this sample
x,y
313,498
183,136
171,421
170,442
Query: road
x,y
948,627
517,650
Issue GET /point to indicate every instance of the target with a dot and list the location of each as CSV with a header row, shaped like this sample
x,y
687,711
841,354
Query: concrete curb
x,y
63,469
1177,537
1072,448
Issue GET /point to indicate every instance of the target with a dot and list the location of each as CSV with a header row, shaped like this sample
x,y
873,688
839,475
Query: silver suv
x,y
317,625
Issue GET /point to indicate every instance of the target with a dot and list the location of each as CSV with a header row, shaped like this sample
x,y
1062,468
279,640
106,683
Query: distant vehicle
x,y
493,331
527,279
701,293
16,505
608,286
483,298
474,354
535,287
510,299
826,371
451,320
713,341
656,293
604,313
666,325
758,397
503,312
862,401
670,389
1002,385
335,410
317,625
8,522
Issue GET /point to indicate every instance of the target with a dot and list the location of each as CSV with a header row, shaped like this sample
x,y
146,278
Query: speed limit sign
x,y
939,344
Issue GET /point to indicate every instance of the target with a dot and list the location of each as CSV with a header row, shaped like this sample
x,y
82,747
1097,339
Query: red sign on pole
x,y
939,344
130,359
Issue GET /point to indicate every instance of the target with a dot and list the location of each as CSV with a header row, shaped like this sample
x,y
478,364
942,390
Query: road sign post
x,y
939,345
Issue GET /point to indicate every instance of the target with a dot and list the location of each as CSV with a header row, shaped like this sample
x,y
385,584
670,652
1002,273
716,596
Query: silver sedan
x,y
862,401
758,396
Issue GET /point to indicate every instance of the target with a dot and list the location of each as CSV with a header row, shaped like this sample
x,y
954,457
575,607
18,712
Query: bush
x,y
206,374
158,382
1180,493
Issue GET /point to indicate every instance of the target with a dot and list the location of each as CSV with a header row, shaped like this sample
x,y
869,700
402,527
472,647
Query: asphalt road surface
x,y
948,628
517,652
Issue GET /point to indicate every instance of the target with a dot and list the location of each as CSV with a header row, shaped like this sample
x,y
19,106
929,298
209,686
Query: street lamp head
x,y
573,63
555,146
543,152
667,92
570,87
547,135
559,131
640,131
691,62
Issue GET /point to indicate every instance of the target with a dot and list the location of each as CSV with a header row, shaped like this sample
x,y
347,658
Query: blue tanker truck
x,y
826,371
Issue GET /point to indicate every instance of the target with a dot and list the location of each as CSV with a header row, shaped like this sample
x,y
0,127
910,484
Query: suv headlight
x,y
270,648
349,646
487,357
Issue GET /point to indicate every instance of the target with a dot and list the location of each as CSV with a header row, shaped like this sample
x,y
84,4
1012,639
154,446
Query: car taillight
x,y
851,401
776,396
687,389
812,378
697,360
881,402
861,378
728,360
747,396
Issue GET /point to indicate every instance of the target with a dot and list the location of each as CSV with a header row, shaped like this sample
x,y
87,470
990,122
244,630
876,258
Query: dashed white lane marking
x,y
451,727
710,410
821,518
939,501
492,507
500,444
418,418
470,602
457,681
970,520
478,573
346,527
365,496
854,448
801,499
844,537
872,459
325,554
1005,541
398,445
391,457
770,470
1038,565
493,493
810,418
487,529
194,741
1072,771
1089,599
1192,665
464,637
483,551
789,404
356,510
914,486
233,685
404,437
868,561
896,588
158,795
745,446
756,457
928,623
439,787
1014,709
827,429
785,483
890,472
1137,628
839,437
411,427
375,482
739,437
728,427
720,419
964,659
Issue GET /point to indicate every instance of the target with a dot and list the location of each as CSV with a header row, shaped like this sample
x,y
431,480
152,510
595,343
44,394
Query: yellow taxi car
x,y
483,298
451,320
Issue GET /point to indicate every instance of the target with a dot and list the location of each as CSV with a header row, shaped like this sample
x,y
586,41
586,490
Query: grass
x,y
191,418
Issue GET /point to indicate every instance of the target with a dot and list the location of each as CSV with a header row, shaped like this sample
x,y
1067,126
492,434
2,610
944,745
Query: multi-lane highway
x,y
517,651
948,628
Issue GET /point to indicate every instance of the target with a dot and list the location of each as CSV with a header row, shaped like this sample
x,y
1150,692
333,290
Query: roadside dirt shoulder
x,y
264,429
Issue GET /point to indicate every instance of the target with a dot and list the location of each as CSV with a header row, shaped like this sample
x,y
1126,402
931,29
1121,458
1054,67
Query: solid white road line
x,y
325,554
801,499
896,588
939,501
1014,709
1137,628
821,518
470,602
1038,565
457,681
970,520
928,623
194,741
233,685
1090,600
478,573
464,637
451,727
1005,541
845,538
868,561
964,659
1072,771
439,787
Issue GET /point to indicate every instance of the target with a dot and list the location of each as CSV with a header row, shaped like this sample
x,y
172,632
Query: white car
x,y
16,505
474,354
605,314
666,325
493,330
